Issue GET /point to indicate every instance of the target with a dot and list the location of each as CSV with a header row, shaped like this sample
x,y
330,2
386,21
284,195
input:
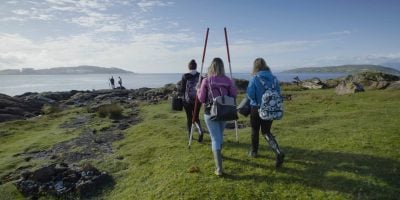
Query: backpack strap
x,y
265,85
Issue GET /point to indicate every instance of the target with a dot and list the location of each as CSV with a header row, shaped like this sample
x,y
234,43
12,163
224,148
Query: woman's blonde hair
x,y
216,68
260,65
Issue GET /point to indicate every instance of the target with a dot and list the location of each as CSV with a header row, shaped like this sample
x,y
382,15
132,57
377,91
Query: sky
x,y
162,36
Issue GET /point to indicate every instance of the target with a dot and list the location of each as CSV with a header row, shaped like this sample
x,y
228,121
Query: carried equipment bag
x,y
271,107
177,103
223,107
244,107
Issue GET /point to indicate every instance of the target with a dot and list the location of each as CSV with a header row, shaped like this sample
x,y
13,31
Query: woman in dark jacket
x,y
255,90
188,92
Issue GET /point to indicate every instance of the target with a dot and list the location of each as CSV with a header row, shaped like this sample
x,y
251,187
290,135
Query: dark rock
x,y
44,174
13,108
25,174
65,181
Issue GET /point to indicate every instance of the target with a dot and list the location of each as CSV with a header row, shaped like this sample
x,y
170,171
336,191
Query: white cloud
x,y
21,12
343,32
147,5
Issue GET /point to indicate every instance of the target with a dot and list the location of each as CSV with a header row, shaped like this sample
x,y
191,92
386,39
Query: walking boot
x,y
200,140
218,162
275,147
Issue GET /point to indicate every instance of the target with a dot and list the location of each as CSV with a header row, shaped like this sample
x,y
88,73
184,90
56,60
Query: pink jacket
x,y
220,85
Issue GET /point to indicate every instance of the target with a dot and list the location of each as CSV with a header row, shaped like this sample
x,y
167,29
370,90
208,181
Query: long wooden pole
x,y
230,71
196,102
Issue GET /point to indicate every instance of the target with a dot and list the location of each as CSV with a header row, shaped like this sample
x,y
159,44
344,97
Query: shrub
x,y
113,111
51,109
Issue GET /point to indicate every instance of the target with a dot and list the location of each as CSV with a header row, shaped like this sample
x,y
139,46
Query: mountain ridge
x,y
351,69
82,69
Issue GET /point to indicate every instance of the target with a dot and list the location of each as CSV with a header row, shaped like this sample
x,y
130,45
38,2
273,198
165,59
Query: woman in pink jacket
x,y
216,84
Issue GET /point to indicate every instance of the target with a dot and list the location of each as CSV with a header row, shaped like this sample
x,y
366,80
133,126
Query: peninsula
x,y
348,69
84,69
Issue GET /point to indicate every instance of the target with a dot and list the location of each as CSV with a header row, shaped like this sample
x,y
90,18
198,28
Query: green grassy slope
x,y
337,147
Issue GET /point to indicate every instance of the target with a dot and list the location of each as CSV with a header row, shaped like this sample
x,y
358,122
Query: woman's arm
x,y
202,92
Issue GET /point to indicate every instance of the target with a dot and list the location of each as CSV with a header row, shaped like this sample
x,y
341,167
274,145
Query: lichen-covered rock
x,y
373,80
348,88
394,86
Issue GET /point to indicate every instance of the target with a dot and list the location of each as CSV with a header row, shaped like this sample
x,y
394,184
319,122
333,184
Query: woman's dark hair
x,y
192,64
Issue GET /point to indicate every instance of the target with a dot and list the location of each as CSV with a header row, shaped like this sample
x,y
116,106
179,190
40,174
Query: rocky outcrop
x,y
62,180
31,104
12,108
394,86
314,83
348,88
373,80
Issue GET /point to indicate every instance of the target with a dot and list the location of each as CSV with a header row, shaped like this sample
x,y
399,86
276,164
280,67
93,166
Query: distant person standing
x,y
120,82
262,78
112,82
188,91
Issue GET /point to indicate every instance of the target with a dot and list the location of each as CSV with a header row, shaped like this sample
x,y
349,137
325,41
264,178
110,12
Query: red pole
x,y
227,51
196,102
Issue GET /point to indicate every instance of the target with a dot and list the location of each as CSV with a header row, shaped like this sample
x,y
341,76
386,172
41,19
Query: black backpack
x,y
190,91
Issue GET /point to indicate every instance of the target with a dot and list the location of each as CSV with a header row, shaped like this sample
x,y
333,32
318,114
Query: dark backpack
x,y
190,91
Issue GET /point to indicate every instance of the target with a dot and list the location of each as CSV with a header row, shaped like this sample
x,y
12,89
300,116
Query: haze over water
x,y
19,84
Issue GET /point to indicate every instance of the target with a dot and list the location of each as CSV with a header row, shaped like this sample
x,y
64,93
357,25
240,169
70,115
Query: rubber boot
x,y
201,132
218,162
275,147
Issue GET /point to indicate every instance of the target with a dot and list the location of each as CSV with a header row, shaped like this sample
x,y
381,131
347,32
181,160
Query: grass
x,y
337,147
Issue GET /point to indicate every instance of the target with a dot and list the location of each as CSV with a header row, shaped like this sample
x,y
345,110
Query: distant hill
x,y
64,70
348,69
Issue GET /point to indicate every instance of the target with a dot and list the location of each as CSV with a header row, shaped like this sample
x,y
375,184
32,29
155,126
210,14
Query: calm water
x,y
19,84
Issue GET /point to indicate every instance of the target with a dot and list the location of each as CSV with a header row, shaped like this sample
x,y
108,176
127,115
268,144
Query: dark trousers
x,y
265,125
189,108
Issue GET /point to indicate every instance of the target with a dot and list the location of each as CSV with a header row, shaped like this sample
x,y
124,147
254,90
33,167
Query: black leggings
x,y
189,108
256,124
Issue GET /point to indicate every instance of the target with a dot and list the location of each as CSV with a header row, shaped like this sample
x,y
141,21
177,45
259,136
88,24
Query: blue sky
x,y
154,36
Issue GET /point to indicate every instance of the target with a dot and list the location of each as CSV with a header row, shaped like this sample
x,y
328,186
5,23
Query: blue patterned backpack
x,y
271,107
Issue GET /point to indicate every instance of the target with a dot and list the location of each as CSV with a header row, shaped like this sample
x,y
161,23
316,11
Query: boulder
x,y
12,108
348,88
394,86
62,180
373,80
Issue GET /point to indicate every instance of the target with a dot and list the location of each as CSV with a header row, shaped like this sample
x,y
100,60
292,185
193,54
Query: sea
x,y
19,84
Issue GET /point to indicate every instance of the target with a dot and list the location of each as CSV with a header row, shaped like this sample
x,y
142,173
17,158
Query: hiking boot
x,y
279,159
200,140
253,154
218,173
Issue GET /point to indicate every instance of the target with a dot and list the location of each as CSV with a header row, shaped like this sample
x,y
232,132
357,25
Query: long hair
x,y
216,68
260,65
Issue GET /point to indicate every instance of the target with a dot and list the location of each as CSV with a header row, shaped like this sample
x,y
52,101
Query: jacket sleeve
x,y
202,92
251,90
182,86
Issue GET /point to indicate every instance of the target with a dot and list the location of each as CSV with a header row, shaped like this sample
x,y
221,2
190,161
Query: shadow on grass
x,y
362,176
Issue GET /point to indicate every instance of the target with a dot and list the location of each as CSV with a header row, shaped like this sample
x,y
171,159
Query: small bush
x,y
113,111
51,109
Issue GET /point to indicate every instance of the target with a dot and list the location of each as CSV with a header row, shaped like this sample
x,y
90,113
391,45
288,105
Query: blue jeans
x,y
216,129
